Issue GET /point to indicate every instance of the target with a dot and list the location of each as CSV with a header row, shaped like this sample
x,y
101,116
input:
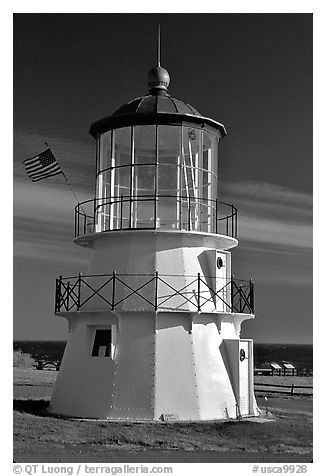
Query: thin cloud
x,y
50,253
263,199
267,192
276,232
43,224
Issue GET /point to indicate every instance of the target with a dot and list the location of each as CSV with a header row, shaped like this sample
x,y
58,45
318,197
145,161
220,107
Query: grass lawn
x,y
39,437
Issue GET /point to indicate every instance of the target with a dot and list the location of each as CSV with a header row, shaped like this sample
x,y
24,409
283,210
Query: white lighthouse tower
x,y
154,326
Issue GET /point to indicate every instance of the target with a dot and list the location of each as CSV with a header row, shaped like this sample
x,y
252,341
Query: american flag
x,y
42,166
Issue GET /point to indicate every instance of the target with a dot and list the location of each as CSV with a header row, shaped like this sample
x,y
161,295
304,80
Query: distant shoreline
x,y
65,340
300,355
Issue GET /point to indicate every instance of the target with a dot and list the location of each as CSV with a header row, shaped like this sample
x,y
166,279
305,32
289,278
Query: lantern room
x,y
156,166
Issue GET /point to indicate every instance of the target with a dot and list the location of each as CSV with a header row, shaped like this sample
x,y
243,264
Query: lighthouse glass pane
x,y
169,144
103,185
142,207
167,180
105,151
122,146
143,213
168,176
209,181
210,144
145,144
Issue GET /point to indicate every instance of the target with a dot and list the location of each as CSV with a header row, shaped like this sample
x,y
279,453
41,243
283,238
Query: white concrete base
x,y
180,366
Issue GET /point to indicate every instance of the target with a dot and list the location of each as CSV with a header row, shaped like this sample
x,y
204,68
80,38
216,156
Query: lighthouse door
x,y
244,397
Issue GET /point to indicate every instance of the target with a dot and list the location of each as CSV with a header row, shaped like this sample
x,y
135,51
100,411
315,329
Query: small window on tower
x,y
102,343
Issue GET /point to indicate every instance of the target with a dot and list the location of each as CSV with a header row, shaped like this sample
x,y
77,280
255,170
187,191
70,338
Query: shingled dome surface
x,y
153,104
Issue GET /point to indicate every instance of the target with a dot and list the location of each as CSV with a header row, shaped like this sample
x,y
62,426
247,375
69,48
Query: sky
x,y
251,72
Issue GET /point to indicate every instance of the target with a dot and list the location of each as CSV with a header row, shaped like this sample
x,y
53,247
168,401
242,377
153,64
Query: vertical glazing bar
x,y
97,169
232,221
97,160
200,196
216,216
99,180
189,214
112,181
192,186
78,219
180,179
198,292
136,200
156,177
227,225
100,222
156,283
113,290
178,211
132,180
209,190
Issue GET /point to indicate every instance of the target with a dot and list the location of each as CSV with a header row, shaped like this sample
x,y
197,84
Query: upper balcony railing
x,y
148,212
148,292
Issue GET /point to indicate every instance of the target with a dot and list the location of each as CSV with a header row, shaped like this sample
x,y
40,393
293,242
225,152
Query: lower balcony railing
x,y
154,292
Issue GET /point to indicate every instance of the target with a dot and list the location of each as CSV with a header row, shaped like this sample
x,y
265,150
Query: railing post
x,y
292,389
59,292
252,296
156,282
113,289
232,293
79,286
56,295
240,294
198,292
68,294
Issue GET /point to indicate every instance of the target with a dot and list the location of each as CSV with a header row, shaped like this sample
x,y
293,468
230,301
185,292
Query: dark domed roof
x,y
158,103
156,107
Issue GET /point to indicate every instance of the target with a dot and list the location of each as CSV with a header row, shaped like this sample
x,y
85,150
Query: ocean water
x,y
300,355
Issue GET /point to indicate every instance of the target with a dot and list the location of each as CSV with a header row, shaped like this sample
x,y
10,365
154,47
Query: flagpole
x,y
72,190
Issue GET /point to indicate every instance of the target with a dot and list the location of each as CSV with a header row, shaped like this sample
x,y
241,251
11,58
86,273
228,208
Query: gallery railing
x,y
150,212
155,292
